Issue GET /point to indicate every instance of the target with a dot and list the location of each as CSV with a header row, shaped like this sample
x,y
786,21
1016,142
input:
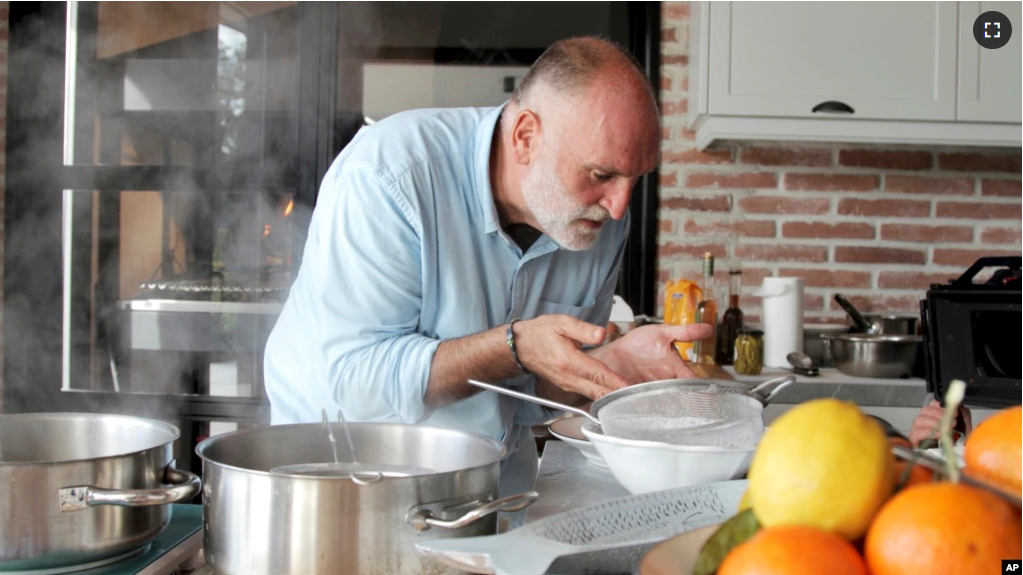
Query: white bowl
x,y
569,430
645,466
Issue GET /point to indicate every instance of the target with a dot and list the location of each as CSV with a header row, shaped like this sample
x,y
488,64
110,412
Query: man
x,y
435,229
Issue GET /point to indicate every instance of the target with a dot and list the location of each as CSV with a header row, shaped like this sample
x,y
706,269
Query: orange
x,y
919,474
793,550
994,451
943,529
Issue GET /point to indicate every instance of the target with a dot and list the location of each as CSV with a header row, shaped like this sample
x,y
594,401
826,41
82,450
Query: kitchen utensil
x,y
262,523
802,364
677,555
873,355
609,537
889,323
569,430
676,411
783,318
646,466
860,322
937,464
83,488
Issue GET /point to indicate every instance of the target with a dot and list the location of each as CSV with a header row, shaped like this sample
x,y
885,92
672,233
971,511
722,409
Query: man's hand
x,y
549,346
648,354
926,423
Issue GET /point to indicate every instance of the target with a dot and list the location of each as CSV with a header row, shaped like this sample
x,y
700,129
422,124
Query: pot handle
x,y
782,382
423,519
178,486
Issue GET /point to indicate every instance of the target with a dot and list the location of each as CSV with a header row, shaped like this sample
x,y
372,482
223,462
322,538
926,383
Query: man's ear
x,y
525,136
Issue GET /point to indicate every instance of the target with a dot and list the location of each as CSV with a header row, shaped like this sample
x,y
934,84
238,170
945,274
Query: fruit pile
x,y
826,495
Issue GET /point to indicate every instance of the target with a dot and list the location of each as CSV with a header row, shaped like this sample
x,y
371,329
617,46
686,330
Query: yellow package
x,y
681,298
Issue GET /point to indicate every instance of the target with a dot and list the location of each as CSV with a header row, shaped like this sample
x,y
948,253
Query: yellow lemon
x,y
822,464
744,503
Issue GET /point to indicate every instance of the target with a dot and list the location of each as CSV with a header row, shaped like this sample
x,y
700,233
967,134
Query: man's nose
x,y
617,200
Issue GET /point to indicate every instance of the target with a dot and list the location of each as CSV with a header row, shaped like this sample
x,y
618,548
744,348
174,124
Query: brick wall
x,y
875,223
4,17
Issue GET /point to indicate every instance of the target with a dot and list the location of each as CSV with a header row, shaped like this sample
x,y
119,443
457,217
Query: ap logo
x,y
1011,566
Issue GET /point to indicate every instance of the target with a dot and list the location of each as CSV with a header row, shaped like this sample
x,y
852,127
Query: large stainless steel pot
x,y
258,522
79,488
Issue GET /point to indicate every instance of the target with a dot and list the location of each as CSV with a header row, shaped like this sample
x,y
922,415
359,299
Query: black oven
x,y
972,333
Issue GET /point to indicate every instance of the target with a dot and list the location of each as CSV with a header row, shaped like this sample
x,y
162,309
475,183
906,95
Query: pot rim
x,y
174,431
210,441
875,337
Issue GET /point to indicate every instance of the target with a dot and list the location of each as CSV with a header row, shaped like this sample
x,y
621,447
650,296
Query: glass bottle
x,y
707,312
731,321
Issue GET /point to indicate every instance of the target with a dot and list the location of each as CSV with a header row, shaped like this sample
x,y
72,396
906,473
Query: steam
x,y
251,127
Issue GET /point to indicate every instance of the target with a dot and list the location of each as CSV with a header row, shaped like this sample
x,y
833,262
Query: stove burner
x,y
82,566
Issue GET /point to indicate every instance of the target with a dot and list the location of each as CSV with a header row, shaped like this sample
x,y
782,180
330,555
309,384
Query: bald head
x,y
568,67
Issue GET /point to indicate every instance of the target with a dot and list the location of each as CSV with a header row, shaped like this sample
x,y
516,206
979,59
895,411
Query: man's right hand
x,y
550,346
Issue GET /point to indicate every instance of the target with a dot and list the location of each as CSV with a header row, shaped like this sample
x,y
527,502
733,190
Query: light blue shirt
x,y
405,250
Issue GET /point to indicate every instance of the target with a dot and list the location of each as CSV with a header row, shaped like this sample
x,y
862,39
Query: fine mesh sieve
x,y
685,415
676,411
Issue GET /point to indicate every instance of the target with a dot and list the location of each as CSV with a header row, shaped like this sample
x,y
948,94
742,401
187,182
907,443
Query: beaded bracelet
x,y
509,336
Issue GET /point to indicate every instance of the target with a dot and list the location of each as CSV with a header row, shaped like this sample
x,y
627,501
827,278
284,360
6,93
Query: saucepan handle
x,y
781,382
178,486
424,519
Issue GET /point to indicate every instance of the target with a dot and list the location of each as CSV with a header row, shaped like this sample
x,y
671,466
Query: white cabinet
x,y
989,80
882,60
890,72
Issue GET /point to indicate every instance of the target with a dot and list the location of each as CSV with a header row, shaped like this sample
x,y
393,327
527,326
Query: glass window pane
x,y
395,56
184,83
175,292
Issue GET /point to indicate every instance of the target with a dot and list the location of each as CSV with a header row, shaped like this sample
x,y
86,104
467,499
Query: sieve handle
x,y
534,399
782,382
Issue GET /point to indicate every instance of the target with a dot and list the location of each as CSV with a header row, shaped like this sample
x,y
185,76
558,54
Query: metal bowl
x,y
873,355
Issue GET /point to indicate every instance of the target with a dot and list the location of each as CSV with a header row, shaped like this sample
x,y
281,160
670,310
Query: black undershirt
x,y
522,234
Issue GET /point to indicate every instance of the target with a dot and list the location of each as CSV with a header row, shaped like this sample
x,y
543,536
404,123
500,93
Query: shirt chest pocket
x,y
585,312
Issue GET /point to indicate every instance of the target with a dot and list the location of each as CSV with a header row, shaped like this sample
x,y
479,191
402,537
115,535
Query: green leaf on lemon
x,y
731,533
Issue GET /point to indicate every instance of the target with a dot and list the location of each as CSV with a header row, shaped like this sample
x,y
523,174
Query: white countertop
x,y
828,375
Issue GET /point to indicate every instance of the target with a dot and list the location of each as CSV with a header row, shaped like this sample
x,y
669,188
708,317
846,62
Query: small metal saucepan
x,y
890,323
873,355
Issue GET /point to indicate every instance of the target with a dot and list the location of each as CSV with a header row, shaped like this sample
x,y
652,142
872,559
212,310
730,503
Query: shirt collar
x,y
481,165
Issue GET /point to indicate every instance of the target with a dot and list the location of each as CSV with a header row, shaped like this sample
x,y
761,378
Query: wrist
x,y
512,346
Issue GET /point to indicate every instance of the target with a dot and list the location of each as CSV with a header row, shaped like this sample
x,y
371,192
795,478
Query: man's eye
x,y
602,177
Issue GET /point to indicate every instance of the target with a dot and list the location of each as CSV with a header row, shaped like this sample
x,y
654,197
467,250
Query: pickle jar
x,y
749,351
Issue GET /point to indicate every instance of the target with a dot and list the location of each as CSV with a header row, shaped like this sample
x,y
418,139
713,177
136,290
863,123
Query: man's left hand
x,y
648,353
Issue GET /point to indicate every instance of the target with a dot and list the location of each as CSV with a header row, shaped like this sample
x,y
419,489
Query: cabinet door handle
x,y
833,107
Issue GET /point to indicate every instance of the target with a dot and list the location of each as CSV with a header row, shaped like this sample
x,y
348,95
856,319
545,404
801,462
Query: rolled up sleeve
x,y
367,290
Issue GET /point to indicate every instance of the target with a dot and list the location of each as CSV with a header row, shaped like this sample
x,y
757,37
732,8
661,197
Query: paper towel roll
x,y
783,319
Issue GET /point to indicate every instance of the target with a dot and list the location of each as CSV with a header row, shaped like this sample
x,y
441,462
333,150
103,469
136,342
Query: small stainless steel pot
x,y
873,355
890,323
80,488
262,523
